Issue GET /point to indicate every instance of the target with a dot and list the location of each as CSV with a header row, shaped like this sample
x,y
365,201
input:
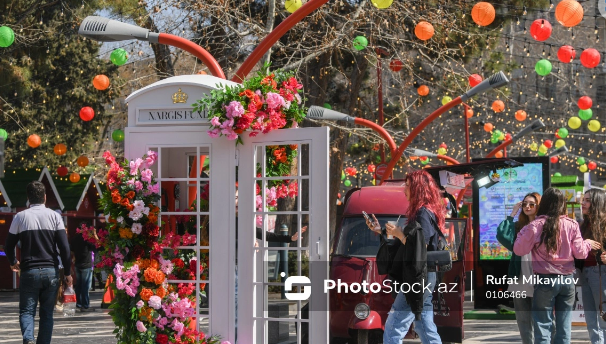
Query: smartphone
x,y
366,215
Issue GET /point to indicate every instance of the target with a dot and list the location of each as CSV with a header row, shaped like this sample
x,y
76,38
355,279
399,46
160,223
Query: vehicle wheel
x,y
362,337
375,337
338,340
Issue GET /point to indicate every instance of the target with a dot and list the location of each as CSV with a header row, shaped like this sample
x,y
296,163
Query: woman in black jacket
x,y
427,208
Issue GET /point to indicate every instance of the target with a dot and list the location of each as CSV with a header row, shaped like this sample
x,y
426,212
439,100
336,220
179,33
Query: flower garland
x,y
260,104
146,308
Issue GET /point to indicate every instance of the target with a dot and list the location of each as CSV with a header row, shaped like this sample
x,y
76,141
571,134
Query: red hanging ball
x,y
590,58
554,159
396,65
566,54
87,113
548,143
507,137
62,171
540,30
584,103
592,165
475,79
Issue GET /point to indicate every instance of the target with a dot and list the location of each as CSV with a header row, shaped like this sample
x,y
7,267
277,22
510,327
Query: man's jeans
x,y
84,278
523,308
545,298
401,317
591,302
38,285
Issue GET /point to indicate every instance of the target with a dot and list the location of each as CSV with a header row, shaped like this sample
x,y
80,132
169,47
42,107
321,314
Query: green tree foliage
x,y
46,78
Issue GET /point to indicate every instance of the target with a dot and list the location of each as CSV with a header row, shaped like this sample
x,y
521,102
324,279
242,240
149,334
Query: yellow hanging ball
x,y
534,147
594,125
382,4
446,100
559,143
583,168
574,122
292,5
543,149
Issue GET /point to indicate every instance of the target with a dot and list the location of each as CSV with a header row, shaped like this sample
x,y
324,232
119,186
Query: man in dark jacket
x,y
41,232
84,274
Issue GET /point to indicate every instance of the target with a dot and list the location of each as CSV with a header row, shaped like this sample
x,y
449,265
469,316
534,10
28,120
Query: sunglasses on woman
x,y
528,204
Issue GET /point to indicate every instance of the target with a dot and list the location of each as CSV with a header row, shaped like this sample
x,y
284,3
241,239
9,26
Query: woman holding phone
x,y
425,207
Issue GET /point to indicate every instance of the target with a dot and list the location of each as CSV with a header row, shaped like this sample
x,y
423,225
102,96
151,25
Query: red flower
x,y
178,262
137,252
161,339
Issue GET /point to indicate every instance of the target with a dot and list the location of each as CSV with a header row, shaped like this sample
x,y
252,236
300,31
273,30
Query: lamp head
x,y
319,112
495,81
108,30
559,151
420,152
534,126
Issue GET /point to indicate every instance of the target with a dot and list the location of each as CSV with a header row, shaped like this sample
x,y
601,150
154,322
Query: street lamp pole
x,y
536,125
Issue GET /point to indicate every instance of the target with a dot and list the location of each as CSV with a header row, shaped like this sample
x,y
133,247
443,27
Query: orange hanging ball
x,y
469,113
101,82
34,141
82,161
423,90
488,127
60,149
520,115
483,13
74,177
498,154
569,13
424,30
498,106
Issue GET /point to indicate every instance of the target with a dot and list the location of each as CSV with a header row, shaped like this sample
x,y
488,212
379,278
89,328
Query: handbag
x,y
439,260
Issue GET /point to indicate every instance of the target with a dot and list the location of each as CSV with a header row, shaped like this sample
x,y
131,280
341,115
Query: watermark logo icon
x,y
304,295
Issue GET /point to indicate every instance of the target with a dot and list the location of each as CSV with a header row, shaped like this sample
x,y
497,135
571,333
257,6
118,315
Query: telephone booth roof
x,y
72,194
15,182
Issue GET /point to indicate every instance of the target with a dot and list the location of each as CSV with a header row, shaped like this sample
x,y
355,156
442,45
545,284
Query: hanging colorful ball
x,y
425,162
569,13
559,143
442,151
563,133
534,147
469,113
548,143
62,171
494,139
475,79
371,168
34,141
594,125
498,134
118,57
583,168
483,13
87,113
540,30
488,127
574,122
584,103
347,183
446,100
557,174
543,149
498,106
554,159
74,177
592,165
3,134
396,65
585,114
423,90
566,54
590,58
343,176
424,31
521,115
82,161
327,106
539,153
443,145
101,82
543,67
292,5
118,135
580,160
360,42
507,137
382,4
498,154
60,149
7,36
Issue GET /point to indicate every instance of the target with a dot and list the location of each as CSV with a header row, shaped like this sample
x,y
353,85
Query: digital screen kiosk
x,y
492,203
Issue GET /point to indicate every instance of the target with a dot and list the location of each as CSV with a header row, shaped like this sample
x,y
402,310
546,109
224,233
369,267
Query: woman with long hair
x,y
593,208
520,267
427,208
554,240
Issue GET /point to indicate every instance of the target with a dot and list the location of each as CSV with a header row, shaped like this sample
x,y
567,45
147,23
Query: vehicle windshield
x,y
356,239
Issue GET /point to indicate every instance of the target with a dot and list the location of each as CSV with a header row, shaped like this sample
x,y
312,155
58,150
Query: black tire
x,y
338,340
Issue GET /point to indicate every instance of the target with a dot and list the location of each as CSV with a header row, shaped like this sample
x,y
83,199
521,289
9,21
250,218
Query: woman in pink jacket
x,y
554,241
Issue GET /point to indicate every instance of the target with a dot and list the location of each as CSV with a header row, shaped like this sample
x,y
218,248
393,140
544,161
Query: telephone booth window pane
x,y
281,160
281,331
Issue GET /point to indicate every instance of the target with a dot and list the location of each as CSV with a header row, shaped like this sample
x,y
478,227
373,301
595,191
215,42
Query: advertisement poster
x,y
496,203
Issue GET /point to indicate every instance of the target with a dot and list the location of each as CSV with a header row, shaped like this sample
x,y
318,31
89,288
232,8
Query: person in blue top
x,y
520,266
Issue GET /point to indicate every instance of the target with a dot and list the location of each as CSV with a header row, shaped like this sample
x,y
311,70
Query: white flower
x,y
135,215
120,219
155,302
140,304
136,228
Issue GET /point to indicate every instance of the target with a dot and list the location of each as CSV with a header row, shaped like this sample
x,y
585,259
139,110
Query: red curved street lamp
x,y
536,125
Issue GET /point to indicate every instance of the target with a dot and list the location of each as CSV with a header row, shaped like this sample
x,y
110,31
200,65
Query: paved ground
x,y
97,327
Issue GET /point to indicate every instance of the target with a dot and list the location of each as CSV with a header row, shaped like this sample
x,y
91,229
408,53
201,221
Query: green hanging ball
x,y
3,134
580,160
543,67
494,139
563,132
118,57
7,36
378,159
446,100
347,183
583,168
327,106
497,133
425,162
541,153
360,42
585,114
118,135
559,143
343,175
557,174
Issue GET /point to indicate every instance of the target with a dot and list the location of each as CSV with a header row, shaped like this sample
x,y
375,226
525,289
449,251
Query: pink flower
x,y
234,109
274,100
214,133
138,185
134,166
215,121
141,327
136,228
146,175
155,188
227,124
150,159
155,302
140,304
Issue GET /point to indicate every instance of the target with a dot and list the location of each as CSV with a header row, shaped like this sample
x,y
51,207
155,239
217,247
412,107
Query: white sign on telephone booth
x,y
197,175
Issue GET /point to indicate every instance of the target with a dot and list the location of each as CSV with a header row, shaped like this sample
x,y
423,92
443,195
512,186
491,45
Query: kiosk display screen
x,y
496,203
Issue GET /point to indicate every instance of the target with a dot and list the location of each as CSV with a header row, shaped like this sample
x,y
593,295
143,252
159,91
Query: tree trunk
x,y
164,63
